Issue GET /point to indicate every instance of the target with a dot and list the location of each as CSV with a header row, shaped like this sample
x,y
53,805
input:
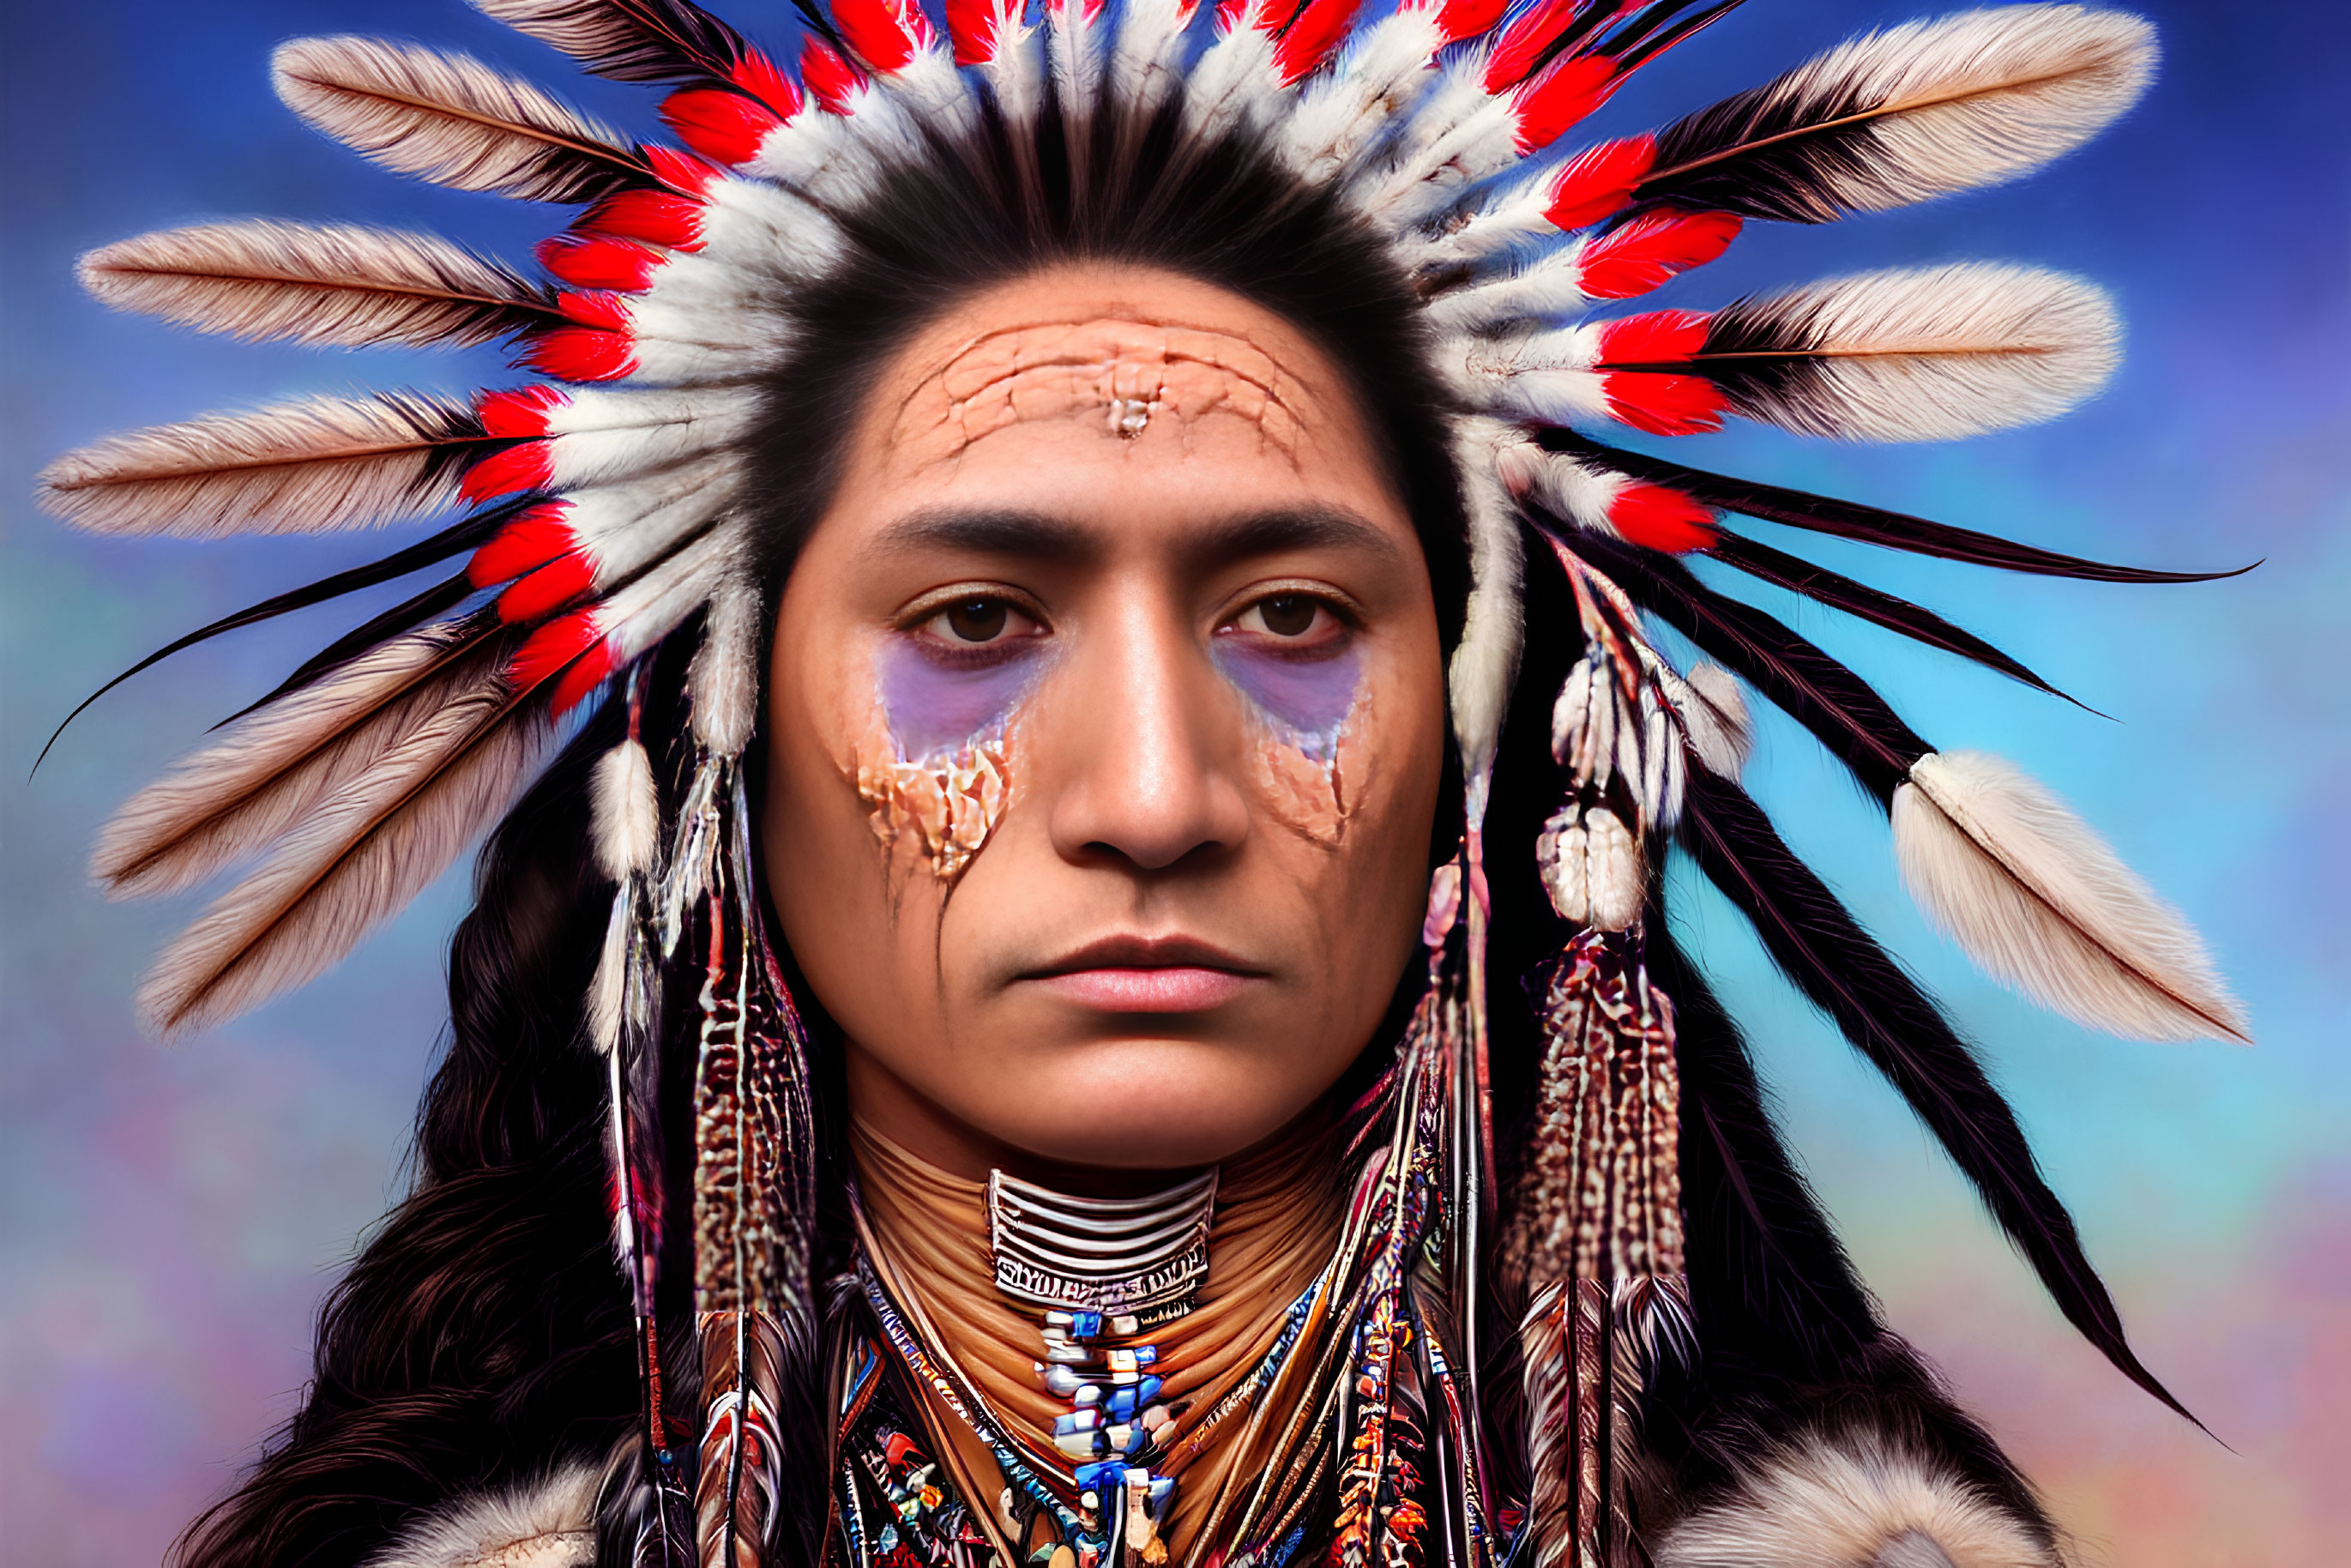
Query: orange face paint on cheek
x,y
932,762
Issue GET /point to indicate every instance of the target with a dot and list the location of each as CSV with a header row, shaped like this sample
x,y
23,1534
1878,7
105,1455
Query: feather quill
x,y
2040,901
1908,114
1924,355
356,860
452,120
275,765
312,467
341,285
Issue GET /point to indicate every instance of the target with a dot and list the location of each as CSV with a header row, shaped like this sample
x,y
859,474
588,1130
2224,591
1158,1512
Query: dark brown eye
x,y
1288,614
975,620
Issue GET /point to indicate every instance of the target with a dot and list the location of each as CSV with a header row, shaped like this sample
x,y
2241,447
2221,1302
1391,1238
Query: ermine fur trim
x,y
549,1523
1862,1502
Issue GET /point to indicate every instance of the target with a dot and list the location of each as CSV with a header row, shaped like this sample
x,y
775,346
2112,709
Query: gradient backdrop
x,y
172,1213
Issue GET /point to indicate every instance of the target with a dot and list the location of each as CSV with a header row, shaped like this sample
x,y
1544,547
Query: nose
x,y
1152,740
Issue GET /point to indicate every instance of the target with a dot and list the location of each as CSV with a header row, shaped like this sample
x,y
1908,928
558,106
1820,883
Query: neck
x,y
1275,1225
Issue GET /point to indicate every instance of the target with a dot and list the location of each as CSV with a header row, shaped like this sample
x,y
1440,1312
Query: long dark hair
x,y
482,1337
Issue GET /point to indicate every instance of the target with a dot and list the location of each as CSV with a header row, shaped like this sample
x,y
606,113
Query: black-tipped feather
x,y
1851,520
405,616
1826,587
1817,944
630,40
1841,709
399,563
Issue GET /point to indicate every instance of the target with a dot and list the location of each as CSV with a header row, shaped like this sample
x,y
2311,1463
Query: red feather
x,y
561,580
1653,516
601,261
1311,34
1654,337
1652,248
529,541
882,33
1662,405
1598,182
1564,95
718,124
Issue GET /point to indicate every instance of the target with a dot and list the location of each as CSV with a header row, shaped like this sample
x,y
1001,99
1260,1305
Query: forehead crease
x,y
1044,368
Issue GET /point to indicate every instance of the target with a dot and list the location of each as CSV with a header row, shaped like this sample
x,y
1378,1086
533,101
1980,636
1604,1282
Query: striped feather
x,y
311,466
356,860
340,286
452,120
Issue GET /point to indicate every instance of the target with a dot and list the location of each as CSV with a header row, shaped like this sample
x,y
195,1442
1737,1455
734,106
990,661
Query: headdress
x,y
608,518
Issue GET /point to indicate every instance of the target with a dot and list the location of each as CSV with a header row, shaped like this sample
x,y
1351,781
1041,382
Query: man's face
x,y
1107,722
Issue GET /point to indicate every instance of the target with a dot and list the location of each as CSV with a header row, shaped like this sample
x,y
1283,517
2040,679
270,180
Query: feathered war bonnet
x,y
608,517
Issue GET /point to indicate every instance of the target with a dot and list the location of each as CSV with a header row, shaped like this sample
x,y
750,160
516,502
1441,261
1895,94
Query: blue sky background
x,y
172,1213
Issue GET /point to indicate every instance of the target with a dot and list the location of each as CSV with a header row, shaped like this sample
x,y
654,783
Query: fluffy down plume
x,y
1486,659
1926,355
361,857
627,811
300,467
1863,1501
1917,111
274,766
723,682
451,120
341,285
2039,900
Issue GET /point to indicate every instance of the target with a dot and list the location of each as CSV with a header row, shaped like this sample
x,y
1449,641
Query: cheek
x,y
932,756
1311,736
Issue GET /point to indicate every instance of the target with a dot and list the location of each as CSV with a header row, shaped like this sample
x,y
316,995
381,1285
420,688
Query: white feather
x,y
602,435
339,285
1545,290
722,681
357,858
1936,353
310,467
450,120
1967,101
1487,661
608,993
1343,112
1015,72
1233,77
626,811
1147,64
2038,900
270,768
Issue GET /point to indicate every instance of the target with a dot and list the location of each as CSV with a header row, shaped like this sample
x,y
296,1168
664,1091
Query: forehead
x,y
1096,390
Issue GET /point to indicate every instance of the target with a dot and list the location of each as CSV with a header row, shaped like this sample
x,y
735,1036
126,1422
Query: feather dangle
x,y
1594,1247
754,1202
2038,900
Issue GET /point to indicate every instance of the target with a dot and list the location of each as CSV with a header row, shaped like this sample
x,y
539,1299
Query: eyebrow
x,y
1035,535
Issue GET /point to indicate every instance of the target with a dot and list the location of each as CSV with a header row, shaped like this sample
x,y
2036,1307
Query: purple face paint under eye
x,y
934,705
1310,698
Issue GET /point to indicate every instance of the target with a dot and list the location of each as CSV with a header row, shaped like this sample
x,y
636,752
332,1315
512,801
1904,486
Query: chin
x,y
1150,1105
